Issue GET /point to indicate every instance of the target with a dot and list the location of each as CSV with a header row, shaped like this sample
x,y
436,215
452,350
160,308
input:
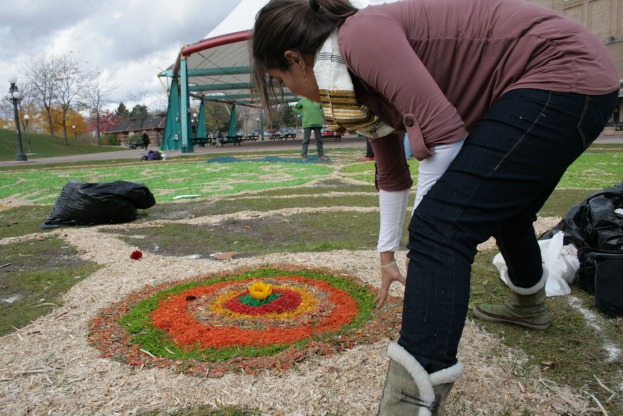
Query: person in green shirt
x,y
313,119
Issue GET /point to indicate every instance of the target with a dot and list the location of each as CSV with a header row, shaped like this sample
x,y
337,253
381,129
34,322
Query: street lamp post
x,y
74,127
14,98
26,118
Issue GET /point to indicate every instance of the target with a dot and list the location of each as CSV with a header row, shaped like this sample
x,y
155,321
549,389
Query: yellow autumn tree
x,y
75,123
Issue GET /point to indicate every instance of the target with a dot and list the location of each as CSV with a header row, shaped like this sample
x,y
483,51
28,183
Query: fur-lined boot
x,y
410,390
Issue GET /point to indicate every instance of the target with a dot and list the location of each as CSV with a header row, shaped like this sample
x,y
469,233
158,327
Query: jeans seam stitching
x,y
549,97
579,124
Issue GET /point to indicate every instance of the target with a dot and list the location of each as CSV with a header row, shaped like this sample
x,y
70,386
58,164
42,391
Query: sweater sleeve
x,y
378,52
392,170
297,108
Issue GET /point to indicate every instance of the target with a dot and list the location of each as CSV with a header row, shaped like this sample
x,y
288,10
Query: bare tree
x,y
138,96
28,104
41,73
56,83
160,104
95,96
69,84
6,113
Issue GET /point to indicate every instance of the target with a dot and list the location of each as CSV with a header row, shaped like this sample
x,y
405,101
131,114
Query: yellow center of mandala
x,y
260,290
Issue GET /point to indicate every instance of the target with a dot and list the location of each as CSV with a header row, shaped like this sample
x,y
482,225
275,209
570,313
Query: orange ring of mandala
x,y
172,316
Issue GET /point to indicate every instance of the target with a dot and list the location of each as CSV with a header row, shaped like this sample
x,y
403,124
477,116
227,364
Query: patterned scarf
x,y
341,110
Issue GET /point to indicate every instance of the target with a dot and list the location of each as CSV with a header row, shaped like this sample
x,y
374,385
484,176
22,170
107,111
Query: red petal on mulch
x,y
136,255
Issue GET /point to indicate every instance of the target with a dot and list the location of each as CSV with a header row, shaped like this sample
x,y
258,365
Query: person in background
x,y
312,121
145,139
369,151
498,96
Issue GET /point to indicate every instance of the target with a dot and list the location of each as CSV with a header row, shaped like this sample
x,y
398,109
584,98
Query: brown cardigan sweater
x,y
433,67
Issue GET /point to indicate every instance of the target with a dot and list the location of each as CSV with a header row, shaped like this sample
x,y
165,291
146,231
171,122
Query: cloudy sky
x,y
130,41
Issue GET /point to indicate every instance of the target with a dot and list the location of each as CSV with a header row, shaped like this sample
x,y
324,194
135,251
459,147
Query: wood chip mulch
x,y
51,367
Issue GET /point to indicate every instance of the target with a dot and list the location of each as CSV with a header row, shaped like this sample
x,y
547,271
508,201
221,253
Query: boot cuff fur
x,y
423,380
529,290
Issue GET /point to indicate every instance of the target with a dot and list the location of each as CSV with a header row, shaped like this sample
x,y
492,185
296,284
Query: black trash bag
x,y
593,223
596,229
81,203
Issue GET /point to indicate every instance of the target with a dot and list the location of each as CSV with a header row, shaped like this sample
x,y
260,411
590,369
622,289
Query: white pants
x,y
393,205
431,169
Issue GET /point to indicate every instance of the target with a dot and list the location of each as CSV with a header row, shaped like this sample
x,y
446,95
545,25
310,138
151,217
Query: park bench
x,y
136,145
289,136
331,135
200,141
236,140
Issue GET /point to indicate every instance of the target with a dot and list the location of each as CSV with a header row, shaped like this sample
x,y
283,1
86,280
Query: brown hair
x,y
301,25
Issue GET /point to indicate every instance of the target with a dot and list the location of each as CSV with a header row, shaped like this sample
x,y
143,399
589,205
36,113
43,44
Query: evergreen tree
x,y
139,112
122,112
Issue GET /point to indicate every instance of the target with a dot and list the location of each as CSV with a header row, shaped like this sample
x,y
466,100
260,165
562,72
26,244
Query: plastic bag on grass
x,y
560,260
81,203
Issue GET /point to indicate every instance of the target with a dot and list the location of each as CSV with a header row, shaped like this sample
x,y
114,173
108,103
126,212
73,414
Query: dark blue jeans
x,y
509,165
307,137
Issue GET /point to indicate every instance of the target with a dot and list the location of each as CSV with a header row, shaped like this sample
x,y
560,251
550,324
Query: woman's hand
x,y
389,274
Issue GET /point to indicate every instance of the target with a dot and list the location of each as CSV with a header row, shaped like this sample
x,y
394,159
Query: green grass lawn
x,y
43,145
594,170
165,180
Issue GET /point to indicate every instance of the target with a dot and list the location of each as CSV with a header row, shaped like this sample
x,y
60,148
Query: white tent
x,y
239,20
218,66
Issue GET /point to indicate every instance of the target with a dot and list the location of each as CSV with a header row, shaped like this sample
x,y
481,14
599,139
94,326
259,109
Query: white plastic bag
x,y
561,263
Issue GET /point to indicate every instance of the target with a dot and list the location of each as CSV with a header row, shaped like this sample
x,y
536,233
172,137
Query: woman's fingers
x,y
388,276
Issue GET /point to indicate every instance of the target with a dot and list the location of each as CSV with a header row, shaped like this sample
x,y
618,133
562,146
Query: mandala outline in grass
x,y
125,332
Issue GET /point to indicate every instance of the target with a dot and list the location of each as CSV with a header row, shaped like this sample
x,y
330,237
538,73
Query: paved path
x,y
265,146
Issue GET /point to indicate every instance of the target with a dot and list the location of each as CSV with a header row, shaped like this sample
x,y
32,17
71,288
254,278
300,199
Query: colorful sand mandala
x,y
251,320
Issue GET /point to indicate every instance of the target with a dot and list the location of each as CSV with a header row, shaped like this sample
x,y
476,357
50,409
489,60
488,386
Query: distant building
x,y
129,131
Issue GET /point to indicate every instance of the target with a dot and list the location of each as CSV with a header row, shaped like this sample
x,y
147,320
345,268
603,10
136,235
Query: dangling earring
x,y
305,73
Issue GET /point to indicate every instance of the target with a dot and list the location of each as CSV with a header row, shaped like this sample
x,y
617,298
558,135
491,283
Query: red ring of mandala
x,y
173,316
313,306
288,301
